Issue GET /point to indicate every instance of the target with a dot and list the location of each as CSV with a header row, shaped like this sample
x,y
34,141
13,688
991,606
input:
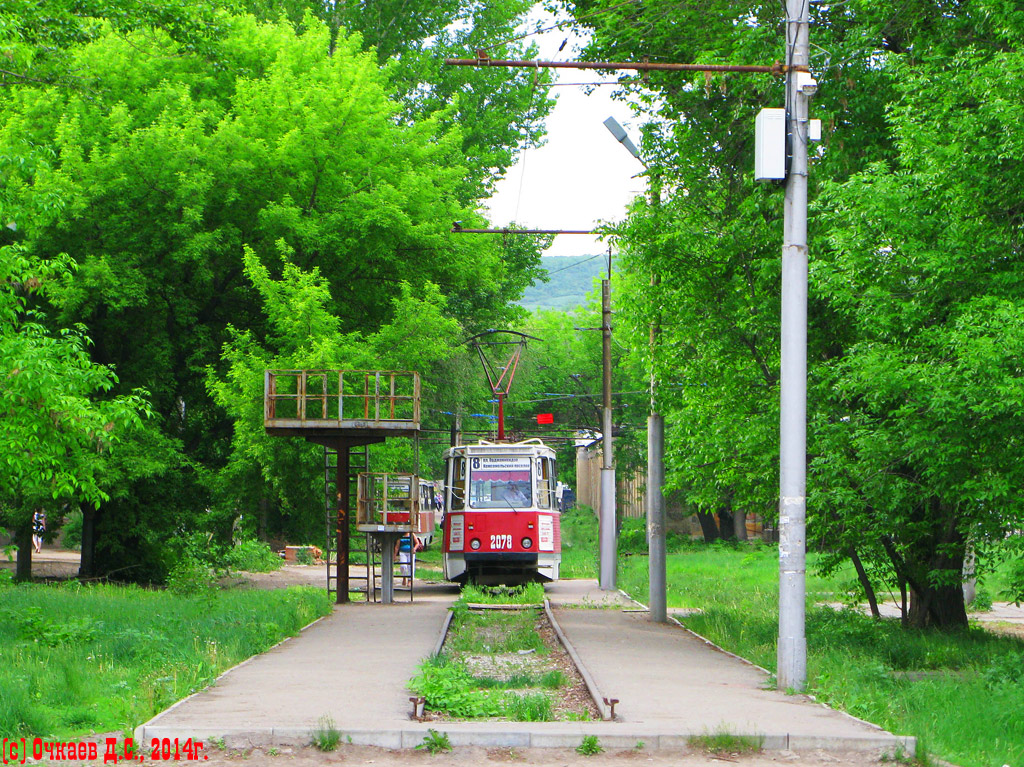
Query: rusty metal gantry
x,y
342,409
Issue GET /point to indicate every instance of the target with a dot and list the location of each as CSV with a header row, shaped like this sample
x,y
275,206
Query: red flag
x,y
545,418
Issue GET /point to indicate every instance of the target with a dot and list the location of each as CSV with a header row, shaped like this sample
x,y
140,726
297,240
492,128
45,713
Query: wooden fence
x,y
630,498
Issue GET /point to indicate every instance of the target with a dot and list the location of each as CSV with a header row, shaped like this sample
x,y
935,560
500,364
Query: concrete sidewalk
x,y
353,667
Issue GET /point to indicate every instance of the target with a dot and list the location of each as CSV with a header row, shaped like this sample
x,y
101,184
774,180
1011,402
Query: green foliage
x,y
72,530
304,334
517,695
304,556
490,631
560,374
190,576
589,746
33,626
447,686
286,137
326,736
253,556
58,419
579,543
96,658
554,680
435,742
982,601
916,317
1015,582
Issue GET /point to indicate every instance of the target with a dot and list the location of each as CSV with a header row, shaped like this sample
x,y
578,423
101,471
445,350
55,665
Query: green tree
x,y
170,157
914,256
58,424
499,110
919,443
303,334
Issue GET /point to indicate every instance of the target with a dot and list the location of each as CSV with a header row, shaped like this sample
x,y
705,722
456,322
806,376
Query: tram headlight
x,y
527,543
474,544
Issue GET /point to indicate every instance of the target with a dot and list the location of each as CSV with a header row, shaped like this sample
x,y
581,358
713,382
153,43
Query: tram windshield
x,y
500,482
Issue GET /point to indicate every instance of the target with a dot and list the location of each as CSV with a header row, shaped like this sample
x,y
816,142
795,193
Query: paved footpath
x,y
354,664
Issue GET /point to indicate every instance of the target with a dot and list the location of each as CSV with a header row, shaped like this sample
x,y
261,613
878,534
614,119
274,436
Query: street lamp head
x,y
620,135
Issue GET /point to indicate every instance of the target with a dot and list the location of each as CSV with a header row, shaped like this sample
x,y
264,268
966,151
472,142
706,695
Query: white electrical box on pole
x,y
770,145
791,673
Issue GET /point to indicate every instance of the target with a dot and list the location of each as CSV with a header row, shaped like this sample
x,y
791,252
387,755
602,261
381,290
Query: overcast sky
x,y
582,175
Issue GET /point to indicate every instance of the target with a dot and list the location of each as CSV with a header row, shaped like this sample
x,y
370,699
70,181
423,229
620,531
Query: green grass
x,y
527,594
325,736
447,683
961,694
494,632
77,659
579,543
724,742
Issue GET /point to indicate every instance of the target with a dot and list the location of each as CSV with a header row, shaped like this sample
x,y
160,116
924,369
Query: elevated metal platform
x,y
341,410
357,406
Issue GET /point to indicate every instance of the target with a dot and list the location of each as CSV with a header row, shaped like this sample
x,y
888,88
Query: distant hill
x,y
572,277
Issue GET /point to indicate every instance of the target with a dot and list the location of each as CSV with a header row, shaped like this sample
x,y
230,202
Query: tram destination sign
x,y
502,463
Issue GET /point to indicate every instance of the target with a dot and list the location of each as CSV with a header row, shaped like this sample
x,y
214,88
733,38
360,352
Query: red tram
x,y
501,522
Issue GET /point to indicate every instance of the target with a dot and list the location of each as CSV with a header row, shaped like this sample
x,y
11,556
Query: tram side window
x,y
545,483
457,484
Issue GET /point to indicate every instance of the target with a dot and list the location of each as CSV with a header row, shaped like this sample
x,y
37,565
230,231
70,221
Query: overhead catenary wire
x,y
570,266
560,24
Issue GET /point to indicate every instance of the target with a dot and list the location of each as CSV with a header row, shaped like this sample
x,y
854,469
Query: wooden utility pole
x,y
607,543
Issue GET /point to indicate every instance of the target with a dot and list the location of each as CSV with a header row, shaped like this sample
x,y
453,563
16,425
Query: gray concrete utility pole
x,y
607,538
800,86
655,508
657,594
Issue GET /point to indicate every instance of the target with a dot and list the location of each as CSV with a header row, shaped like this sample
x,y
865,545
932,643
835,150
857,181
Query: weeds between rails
x,y
502,664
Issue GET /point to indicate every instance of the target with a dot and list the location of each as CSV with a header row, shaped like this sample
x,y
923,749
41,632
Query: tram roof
x,y
532,446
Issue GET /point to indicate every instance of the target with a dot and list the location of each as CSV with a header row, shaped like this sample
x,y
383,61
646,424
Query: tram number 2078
x,y
501,542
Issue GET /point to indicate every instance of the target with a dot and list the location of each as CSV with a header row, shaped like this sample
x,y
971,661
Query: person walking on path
x,y
38,528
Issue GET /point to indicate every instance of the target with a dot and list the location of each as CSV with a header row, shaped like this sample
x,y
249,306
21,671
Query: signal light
x,y
527,543
474,544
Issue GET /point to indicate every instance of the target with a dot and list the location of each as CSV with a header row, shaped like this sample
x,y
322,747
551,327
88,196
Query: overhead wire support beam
x,y
483,60
460,230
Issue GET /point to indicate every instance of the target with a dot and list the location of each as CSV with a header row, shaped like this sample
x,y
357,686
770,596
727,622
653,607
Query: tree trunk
x,y
935,602
725,524
941,607
865,583
739,525
23,537
708,526
87,567
261,519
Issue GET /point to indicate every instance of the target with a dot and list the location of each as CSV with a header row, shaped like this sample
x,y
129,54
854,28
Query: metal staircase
x,y
360,546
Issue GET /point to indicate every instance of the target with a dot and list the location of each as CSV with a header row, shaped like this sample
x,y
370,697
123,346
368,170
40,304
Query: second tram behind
x,y
501,522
